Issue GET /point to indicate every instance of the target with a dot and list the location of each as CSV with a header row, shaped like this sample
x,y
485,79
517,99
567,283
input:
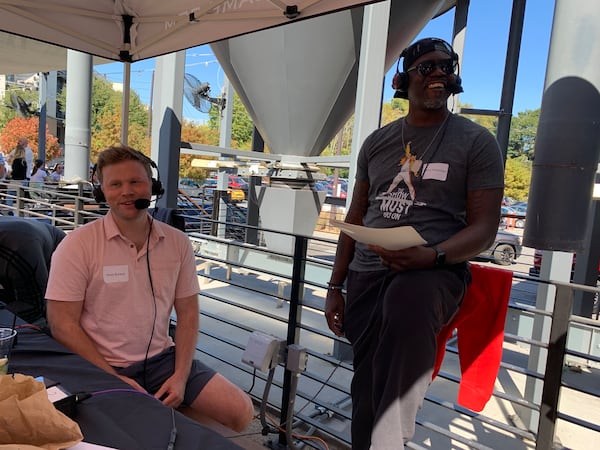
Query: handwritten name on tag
x,y
436,171
115,274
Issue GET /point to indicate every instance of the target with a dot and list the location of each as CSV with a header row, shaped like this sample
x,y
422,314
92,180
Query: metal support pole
x,y
222,182
78,115
226,122
295,316
167,107
79,205
554,364
258,143
461,13
371,67
586,269
510,74
20,203
214,227
43,111
566,155
125,103
252,217
223,206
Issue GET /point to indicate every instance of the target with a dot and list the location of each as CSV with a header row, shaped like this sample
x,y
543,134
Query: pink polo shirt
x,y
96,264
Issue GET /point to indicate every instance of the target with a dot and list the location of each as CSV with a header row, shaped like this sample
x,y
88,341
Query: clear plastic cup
x,y
7,338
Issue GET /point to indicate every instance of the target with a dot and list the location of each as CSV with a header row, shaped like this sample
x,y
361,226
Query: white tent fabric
x,y
19,55
130,30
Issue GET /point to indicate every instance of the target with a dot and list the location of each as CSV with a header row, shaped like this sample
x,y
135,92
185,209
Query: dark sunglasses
x,y
424,68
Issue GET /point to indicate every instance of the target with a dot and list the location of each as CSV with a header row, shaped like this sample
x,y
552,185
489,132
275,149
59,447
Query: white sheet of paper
x,y
55,394
88,446
395,238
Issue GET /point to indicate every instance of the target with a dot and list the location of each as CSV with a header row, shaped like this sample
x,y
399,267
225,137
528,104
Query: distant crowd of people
x,y
19,165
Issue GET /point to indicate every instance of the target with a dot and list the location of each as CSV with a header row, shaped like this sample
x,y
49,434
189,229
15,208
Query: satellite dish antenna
x,y
22,107
198,94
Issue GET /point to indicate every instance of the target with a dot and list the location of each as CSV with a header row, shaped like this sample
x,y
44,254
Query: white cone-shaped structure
x,y
298,82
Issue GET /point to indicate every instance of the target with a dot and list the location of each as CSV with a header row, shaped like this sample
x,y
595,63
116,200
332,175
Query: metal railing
x,y
289,302
65,206
247,287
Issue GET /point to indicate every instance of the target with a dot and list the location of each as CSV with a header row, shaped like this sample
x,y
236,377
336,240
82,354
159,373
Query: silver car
x,y
505,250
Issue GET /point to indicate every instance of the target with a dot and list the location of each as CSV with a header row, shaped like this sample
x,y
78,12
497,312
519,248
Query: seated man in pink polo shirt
x,y
126,272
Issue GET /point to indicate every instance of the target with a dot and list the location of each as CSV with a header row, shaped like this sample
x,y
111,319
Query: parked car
x,y
236,195
505,250
188,182
506,201
190,186
513,217
327,186
234,183
237,182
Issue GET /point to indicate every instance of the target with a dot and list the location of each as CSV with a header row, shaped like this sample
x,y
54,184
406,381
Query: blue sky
x,y
481,71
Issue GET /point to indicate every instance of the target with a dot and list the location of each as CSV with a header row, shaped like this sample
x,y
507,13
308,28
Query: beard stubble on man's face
x,y
435,104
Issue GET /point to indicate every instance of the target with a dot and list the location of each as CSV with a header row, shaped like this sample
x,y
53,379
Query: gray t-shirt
x,y
420,176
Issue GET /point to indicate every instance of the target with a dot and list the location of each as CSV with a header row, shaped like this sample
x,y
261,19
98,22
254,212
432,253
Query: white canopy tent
x,y
19,55
131,30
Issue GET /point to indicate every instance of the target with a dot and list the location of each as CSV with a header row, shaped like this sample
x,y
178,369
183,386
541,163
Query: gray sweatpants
x,y
391,320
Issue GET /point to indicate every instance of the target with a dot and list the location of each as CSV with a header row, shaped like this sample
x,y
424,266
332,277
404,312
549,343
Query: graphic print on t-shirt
x,y
400,195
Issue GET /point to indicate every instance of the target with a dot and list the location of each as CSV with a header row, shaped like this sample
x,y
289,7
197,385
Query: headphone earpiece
x,y
400,80
157,187
98,194
455,86
96,189
400,85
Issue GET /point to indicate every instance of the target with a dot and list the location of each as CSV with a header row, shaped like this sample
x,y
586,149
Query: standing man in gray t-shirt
x,y
443,175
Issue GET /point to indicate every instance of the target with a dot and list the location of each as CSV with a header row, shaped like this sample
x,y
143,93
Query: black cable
x,y
173,435
153,300
266,428
253,381
312,399
309,443
290,416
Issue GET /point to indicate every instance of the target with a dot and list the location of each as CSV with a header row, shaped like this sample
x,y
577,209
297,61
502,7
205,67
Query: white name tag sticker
x,y
115,274
436,171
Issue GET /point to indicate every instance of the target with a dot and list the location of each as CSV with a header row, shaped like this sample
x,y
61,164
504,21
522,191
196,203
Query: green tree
x,y
523,129
517,177
241,125
109,133
200,134
396,108
107,100
138,112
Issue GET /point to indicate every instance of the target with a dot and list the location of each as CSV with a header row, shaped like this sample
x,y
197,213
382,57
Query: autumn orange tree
x,y
199,134
29,128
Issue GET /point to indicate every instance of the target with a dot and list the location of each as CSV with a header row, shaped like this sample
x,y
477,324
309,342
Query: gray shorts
x,y
160,367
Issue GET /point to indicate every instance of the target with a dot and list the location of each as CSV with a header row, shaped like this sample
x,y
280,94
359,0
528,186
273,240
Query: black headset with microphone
x,y
414,51
157,187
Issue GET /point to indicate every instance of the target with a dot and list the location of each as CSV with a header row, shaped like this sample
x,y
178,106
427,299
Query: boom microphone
x,y
141,203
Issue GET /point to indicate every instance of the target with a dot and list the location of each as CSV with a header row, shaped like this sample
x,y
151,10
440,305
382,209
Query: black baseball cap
x,y
423,46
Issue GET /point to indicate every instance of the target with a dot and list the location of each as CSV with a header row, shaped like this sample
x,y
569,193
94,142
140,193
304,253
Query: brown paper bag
x,y
27,417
